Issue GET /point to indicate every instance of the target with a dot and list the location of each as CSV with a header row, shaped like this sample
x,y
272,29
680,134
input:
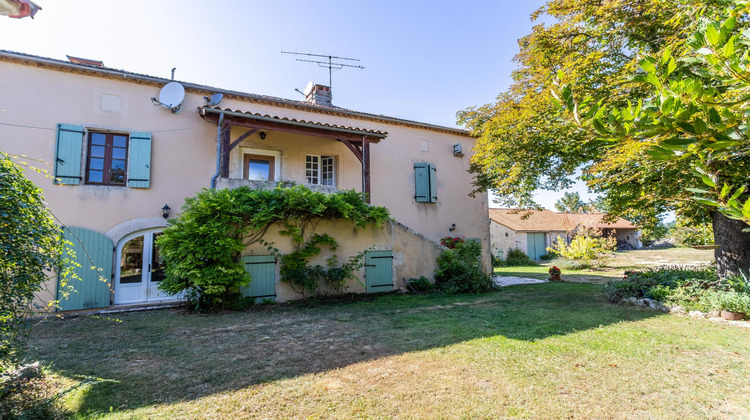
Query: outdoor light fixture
x,y
262,135
165,211
452,228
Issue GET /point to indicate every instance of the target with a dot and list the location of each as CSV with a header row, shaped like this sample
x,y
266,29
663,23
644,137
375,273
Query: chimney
x,y
319,95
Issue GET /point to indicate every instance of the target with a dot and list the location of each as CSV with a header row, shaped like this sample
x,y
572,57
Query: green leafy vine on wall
x,y
317,280
203,245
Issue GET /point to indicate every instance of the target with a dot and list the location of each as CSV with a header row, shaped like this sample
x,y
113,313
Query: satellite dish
x,y
309,87
171,97
214,99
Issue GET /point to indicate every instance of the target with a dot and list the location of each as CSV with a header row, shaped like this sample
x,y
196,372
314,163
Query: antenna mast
x,y
329,64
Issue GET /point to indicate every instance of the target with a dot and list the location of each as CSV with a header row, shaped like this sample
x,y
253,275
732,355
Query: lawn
x,y
622,261
548,350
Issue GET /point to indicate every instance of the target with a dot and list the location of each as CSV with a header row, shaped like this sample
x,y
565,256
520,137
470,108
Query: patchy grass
x,y
543,351
623,260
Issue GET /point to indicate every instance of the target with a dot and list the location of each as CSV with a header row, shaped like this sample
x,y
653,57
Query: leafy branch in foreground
x,y
696,113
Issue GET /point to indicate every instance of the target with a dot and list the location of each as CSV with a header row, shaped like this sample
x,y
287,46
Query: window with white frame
x,y
320,170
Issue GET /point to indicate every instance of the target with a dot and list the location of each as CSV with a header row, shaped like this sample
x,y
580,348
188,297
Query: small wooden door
x,y
93,251
378,271
262,271
536,245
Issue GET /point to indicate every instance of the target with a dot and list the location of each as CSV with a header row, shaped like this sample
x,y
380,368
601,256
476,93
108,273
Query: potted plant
x,y
554,273
734,305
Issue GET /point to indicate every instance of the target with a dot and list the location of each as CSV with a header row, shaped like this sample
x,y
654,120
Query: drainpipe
x,y
218,151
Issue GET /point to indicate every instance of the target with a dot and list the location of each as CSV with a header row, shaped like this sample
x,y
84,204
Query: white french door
x,y
139,269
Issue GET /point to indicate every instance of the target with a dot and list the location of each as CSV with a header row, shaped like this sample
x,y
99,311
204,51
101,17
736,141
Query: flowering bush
x,y
554,271
452,242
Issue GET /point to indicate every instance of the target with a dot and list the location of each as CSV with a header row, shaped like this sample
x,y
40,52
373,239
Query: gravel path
x,y
504,281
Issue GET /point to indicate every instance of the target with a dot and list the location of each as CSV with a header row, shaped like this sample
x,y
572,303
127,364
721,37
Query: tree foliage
x,y
31,246
202,247
694,116
525,142
571,202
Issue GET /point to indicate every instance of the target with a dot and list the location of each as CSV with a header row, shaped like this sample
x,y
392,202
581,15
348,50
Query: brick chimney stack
x,y
319,95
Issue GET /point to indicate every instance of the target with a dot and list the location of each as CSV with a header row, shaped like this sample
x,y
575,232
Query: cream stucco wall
x,y
35,99
413,254
504,239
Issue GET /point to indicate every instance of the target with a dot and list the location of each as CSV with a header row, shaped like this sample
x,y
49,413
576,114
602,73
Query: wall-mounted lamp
x,y
452,228
165,211
262,135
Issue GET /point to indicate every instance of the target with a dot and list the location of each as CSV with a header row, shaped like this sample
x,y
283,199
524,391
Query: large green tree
x,y
695,116
527,142
571,202
31,246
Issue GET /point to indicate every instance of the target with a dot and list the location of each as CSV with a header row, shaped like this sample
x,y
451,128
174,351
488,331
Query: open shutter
x,y
425,190
68,154
432,171
93,251
139,160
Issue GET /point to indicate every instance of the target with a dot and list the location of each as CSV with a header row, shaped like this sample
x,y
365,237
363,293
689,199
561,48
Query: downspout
x,y
218,150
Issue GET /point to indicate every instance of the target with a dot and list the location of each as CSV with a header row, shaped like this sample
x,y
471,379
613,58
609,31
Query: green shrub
x,y
422,284
733,302
692,297
638,283
684,236
460,270
658,292
517,258
586,246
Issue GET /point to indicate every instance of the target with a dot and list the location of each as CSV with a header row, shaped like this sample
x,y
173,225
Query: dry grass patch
x,y
540,351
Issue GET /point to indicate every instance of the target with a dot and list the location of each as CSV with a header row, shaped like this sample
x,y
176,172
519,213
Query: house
x,y
534,230
121,159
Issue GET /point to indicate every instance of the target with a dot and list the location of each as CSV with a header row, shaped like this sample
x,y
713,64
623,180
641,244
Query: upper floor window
x,y
119,159
107,159
320,170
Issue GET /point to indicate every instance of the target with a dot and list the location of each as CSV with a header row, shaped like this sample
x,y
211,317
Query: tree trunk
x,y
733,253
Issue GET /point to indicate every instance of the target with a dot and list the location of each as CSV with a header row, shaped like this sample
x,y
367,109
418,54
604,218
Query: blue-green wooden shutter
x,y
92,249
68,154
262,271
139,160
425,188
378,271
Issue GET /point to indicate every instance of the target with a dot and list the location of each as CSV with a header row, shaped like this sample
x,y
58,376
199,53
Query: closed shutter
x,y
93,251
425,188
139,160
262,271
68,154
378,271
535,245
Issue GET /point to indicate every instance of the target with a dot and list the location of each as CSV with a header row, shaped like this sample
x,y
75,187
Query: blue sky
x,y
424,60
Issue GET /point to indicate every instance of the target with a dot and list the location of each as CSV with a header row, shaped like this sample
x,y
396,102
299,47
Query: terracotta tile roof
x,y
528,220
595,220
550,221
108,72
295,121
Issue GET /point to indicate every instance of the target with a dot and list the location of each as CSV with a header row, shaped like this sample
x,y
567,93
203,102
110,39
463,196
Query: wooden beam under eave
x,y
225,133
356,150
366,168
239,139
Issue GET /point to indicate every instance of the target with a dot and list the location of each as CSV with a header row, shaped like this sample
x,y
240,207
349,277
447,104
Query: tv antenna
x,y
329,64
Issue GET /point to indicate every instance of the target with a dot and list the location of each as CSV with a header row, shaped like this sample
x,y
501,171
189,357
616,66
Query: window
x,y
259,167
320,170
111,158
425,183
106,161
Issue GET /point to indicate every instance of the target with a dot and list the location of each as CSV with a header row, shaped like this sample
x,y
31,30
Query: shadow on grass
x,y
165,356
